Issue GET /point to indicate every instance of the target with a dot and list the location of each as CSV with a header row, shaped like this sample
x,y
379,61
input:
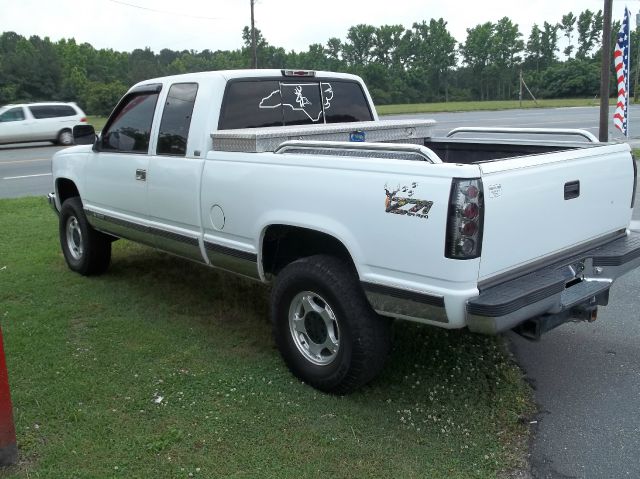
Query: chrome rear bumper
x,y
563,290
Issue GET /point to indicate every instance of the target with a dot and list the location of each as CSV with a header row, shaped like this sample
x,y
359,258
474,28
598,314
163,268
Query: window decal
x,y
293,95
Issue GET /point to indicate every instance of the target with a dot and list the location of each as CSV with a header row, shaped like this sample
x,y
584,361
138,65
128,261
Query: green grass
x,y
97,121
88,356
482,105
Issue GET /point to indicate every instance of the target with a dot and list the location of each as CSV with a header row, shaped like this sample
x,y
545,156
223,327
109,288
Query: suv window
x,y
51,111
13,114
129,127
259,103
176,119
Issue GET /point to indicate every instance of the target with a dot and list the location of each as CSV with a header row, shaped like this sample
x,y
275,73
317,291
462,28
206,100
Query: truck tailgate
x,y
542,205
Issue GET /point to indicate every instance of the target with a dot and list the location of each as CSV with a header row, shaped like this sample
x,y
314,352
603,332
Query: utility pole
x,y
520,94
604,72
254,49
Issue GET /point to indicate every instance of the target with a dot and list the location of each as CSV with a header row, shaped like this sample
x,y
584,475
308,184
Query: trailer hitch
x,y
532,329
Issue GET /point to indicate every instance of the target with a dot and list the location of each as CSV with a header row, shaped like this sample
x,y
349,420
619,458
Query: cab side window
x,y
176,119
14,114
129,128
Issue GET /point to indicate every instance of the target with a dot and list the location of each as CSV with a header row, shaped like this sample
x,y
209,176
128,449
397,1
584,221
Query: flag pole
x,y
628,112
604,72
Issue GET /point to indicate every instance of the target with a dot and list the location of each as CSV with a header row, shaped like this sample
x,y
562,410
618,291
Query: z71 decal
x,y
406,204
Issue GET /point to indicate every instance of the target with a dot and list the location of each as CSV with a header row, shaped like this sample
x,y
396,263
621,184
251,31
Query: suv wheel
x,y
65,138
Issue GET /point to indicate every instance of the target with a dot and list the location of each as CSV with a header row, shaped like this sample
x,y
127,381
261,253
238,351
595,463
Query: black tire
x,y
85,250
360,336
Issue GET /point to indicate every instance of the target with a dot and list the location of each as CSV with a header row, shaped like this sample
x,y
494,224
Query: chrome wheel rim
x,y
74,238
314,328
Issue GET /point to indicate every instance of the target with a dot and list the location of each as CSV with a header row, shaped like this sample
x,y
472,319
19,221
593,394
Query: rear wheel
x,y
65,138
85,250
325,329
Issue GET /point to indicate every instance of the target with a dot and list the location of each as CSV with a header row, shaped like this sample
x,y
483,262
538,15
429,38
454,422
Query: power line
x,y
163,11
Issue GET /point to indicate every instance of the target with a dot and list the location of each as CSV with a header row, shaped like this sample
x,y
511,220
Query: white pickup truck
x,y
290,178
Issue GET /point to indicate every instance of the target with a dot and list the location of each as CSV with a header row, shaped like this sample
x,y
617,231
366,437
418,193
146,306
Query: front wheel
x,y
325,329
85,250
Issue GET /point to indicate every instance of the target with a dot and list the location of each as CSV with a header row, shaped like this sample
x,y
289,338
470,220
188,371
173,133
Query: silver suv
x,y
40,122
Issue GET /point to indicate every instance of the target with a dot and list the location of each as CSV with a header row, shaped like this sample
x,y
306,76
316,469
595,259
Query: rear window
x,y
348,103
260,103
51,111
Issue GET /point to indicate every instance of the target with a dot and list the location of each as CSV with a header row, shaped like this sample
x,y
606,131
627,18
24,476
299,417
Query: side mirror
x,y
84,134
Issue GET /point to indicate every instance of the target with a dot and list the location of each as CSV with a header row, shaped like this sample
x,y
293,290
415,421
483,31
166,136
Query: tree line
x,y
424,63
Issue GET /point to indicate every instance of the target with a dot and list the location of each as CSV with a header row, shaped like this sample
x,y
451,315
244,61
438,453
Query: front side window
x,y
129,128
13,114
254,103
176,119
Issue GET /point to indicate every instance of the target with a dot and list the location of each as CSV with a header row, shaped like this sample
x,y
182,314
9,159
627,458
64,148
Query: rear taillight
x,y
83,119
465,221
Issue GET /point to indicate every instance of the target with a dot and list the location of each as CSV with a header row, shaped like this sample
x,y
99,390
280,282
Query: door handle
x,y
571,190
141,175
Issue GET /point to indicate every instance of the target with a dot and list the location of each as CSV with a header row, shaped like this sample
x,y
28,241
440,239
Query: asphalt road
x,y
586,118
586,379
586,376
25,170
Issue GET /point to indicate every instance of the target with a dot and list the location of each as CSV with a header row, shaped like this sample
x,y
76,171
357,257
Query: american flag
x,y
621,64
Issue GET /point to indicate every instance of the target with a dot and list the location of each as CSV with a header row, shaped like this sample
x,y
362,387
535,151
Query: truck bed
x,y
417,132
547,191
472,151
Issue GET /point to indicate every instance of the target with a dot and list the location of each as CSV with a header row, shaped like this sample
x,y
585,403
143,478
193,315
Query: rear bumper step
x,y
558,292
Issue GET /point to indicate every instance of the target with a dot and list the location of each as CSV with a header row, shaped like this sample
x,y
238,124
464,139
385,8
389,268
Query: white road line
x,y
635,226
25,176
575,107
23,161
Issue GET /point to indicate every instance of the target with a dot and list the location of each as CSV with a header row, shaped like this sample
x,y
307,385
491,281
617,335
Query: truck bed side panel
x,y
391,215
